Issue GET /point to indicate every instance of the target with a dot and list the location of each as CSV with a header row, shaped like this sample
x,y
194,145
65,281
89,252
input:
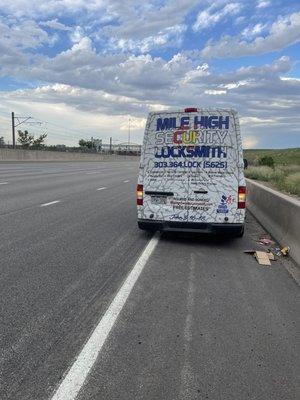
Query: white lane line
x,y
75,378
3,183
102,188
127,180
95,172
49,204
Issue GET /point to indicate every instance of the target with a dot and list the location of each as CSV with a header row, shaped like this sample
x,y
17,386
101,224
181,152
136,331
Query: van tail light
x,y
139,195
242,197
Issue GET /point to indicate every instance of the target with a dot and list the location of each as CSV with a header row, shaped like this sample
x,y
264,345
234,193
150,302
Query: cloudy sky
x,y
86,67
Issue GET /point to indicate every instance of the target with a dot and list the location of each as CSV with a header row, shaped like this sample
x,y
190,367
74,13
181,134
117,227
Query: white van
x,y
191,175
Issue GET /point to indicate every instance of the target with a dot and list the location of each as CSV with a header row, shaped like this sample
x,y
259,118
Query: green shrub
x,y
266,160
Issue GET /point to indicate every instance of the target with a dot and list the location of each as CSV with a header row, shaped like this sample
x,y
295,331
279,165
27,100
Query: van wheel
x,y
146,227
240,232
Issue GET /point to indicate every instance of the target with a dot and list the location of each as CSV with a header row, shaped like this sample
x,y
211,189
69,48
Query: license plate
x,y
158,199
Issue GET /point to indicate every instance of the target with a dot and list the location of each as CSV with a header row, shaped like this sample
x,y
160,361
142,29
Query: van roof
x,y
198,109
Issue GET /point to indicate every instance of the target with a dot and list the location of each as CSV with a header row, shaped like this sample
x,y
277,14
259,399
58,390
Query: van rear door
x,y
214,178
165,185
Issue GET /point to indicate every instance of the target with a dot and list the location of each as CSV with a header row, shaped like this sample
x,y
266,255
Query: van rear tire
x,y
146,227
240,232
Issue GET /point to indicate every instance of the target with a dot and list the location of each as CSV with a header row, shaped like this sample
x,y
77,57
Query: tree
x,y
82,143
86,144
39,142
25,139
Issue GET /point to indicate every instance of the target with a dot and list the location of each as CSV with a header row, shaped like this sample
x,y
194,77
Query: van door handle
x,y
201,191
158,193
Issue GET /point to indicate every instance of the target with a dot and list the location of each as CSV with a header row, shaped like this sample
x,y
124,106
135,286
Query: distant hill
x,y
280,156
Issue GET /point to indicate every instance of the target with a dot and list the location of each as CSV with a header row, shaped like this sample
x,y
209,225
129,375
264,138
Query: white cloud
x,y
263,3
63,107
137,84
18,40
107,70
44,8
135,124
124,25
77,34
255,30
235,85
250,142
284,32
290,79
82,44
140,20
240,77
210,17
281,65
24,35
214,92
56,25
196,74
169,37
257,121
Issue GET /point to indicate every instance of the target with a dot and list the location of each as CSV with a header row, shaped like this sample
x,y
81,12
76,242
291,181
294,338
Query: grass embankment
x,y
284,175
280,156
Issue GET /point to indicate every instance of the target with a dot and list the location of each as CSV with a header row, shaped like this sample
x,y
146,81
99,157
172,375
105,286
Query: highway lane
x,y
203,321
34,183
60,267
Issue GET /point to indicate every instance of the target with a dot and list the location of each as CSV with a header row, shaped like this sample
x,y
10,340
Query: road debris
x,y
267,250
262,258
249,251
285,250
266,241
271,256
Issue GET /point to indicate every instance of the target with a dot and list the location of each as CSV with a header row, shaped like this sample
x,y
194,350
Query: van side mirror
x,y
245,163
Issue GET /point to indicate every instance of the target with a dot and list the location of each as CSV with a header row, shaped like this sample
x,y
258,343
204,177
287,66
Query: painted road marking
x,y
102,188
95,172
126,181
3,183
49,204
75,378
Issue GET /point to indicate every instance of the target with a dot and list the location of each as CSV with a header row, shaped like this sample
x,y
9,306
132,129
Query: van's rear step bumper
x,y
173,226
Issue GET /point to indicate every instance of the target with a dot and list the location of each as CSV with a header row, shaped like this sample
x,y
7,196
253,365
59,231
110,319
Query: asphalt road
x,y
203,321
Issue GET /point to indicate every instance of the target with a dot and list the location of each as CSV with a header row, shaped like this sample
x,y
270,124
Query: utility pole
x,y
13,129
110,145
20,120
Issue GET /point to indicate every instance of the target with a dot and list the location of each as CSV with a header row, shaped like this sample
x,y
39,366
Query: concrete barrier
x,y
278,213
40,155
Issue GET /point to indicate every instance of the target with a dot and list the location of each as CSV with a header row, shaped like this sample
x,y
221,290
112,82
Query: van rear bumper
x,y
173,226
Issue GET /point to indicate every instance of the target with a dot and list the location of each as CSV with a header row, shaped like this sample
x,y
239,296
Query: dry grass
x,y
292,183
285,178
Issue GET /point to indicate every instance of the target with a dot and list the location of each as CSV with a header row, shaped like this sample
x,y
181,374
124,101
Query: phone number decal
x,y
191,164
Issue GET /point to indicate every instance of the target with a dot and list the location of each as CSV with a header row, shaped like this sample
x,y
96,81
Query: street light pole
x,y
129,120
